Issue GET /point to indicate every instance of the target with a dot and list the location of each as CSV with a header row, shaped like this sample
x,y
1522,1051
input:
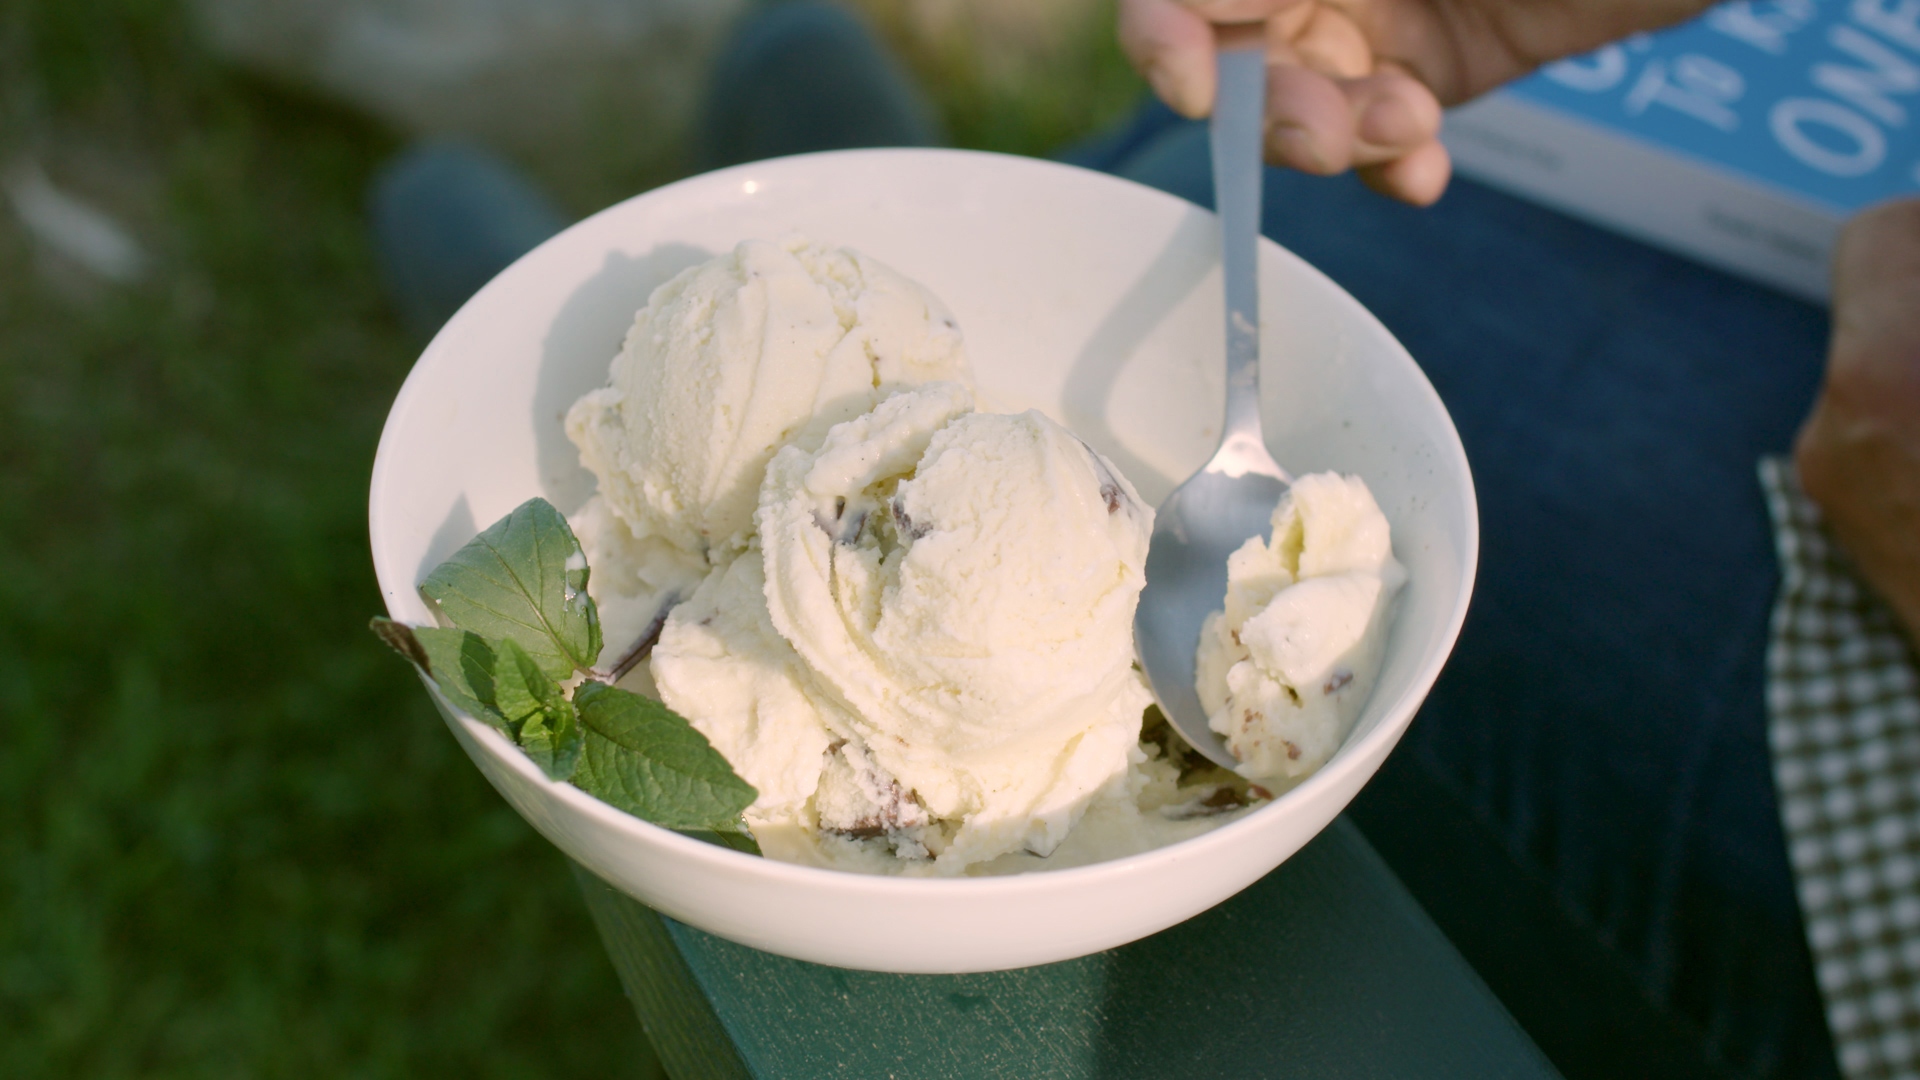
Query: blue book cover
x,y
1816,98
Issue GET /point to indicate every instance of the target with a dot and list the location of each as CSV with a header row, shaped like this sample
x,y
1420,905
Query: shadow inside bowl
x,y
455,530
580,344
1190,252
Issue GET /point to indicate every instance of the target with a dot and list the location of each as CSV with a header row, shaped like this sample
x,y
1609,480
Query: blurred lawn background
x,y
235,839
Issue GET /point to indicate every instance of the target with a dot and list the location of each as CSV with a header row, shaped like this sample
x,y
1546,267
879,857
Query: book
x,y
1743,138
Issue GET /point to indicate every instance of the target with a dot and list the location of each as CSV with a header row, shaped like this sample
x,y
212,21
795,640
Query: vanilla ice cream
x,y
728,362
906,623
955,594
1284,668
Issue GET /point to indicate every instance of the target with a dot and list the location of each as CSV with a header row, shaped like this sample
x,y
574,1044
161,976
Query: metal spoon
x,y
1233,496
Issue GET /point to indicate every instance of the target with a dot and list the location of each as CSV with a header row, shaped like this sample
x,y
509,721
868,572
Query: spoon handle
x,y
1236,138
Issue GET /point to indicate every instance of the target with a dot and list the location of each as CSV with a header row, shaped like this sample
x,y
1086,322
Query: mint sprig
x,y
524,580
523,628
460,663
645,759
549,728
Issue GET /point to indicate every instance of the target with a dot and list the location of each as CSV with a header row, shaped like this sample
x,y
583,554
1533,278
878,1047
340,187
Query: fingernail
x,y
1292,145
1173,88
1388,121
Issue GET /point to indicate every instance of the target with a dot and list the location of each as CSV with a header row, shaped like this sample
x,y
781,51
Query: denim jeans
x,y
1600,728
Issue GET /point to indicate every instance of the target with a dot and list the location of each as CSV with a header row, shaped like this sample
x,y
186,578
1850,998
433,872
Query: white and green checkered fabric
x,y
1843,702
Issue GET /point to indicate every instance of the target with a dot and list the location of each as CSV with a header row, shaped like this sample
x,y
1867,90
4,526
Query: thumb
x,y
1172,47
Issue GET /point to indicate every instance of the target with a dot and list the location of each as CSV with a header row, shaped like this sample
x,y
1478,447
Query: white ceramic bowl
x,y
1091,298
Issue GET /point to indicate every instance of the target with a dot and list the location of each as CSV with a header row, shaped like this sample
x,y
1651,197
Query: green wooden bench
x,y
1325,968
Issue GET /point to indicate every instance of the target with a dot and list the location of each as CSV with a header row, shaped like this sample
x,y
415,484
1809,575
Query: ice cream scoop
x,y
961,586
921,660
1286,664
733,359
730,360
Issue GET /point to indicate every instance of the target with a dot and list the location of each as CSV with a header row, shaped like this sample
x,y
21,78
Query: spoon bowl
x,y
1205,520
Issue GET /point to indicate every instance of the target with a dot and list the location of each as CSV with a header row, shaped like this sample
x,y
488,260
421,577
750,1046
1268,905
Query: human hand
x,y
1859,451
1360,83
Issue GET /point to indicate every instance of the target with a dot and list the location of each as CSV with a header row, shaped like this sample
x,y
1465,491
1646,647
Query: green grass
x,y
999,91
235,840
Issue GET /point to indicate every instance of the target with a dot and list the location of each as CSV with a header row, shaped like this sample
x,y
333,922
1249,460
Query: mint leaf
x,y
520,688
554,740
524,580
646,759
459,662
548,729
523,625
400,637
462,664
741,840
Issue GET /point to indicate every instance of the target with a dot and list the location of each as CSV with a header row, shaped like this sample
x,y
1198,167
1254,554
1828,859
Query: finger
x,y
1238,11
1322,125
1321,38
1395,115
1172,46
1310,122
1419,177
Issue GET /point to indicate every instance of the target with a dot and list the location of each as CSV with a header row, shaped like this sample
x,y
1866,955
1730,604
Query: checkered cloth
x,y
1843,700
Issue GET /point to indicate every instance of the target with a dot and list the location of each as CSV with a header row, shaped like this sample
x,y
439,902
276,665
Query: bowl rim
x,y
1351,757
